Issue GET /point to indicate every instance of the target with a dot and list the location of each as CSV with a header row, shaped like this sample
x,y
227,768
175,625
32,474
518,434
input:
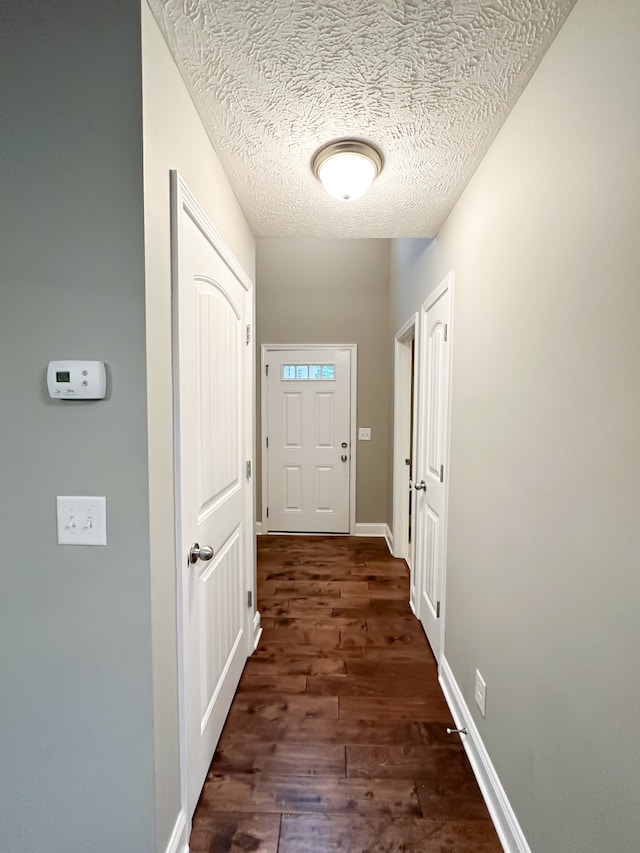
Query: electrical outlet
x,y
481,692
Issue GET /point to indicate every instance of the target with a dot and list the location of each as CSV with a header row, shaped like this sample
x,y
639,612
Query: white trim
x,y
371,529
179,842
502,813
418,392
295,533
401,431
405,332
259,528
257,630
176,206
183,200
432,298
388,536
353,348
264,492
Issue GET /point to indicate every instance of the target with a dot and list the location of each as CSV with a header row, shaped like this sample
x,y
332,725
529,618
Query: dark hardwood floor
x,y
336,738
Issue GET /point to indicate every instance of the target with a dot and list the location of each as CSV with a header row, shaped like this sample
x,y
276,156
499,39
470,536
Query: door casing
x,y
401,432
264,357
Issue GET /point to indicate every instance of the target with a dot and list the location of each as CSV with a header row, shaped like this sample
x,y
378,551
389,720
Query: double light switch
x,y
82,520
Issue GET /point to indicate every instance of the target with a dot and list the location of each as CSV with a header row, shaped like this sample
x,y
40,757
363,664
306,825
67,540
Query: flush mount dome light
x,y
347,168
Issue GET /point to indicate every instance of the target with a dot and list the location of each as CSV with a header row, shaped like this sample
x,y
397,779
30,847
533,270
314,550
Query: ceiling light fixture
x,y
347,168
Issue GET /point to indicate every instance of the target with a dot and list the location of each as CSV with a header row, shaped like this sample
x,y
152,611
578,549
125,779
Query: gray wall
x,y
543,583
336,291
173,139
76,747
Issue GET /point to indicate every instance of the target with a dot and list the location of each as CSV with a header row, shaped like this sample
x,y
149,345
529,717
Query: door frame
x,y
443,286
401,430
265,349
182,200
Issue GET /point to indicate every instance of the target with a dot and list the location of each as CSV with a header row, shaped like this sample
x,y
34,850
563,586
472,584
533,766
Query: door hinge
x,y
249,598
437,610
248,333
267,512
266,369
407,462
442,473
248,469
446,332
267,440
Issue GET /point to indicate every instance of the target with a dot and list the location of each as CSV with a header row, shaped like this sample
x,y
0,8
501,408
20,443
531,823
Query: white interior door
x,y
431,476
308,440
213,414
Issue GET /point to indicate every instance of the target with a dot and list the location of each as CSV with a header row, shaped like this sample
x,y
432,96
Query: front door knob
x,y
197,553
344,457
419,487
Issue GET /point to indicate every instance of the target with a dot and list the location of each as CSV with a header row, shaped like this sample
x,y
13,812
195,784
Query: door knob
x,y
344,457
421,486
344,444
197,553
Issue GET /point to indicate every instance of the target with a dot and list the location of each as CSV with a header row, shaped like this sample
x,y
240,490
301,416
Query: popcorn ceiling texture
x,y
428,81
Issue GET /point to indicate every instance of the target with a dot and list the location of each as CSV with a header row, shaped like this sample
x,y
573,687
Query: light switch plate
x,y
364,434
82,520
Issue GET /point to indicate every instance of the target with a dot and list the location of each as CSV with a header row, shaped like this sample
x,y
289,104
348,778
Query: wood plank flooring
x,y
336,738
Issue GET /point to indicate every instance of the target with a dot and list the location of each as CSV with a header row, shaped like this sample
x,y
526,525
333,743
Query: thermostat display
x,y
77,380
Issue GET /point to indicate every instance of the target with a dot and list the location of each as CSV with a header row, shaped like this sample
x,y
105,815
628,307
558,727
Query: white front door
x,y
308,441
430,479
213,412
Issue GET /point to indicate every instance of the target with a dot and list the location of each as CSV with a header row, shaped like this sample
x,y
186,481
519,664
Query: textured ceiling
x,y
428,81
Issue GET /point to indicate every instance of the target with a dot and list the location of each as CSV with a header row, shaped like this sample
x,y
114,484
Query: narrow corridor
x,y
336,739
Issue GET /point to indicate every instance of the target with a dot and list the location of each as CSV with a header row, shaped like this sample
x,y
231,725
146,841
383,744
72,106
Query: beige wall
x,y
336,291
173,139
543,582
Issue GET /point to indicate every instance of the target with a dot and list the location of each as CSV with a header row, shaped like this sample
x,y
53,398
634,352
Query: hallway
x,y
336,738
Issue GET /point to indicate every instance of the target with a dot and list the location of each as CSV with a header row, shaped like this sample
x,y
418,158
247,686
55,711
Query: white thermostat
x,y
77,380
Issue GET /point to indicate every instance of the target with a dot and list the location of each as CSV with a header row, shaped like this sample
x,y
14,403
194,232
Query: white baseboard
x,y
502,814
388,535
179,843
361,530
371,529
257,629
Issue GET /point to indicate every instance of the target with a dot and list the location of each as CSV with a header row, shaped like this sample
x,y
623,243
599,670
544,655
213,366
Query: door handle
x,y
344,444
197,553
344,457
421,486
